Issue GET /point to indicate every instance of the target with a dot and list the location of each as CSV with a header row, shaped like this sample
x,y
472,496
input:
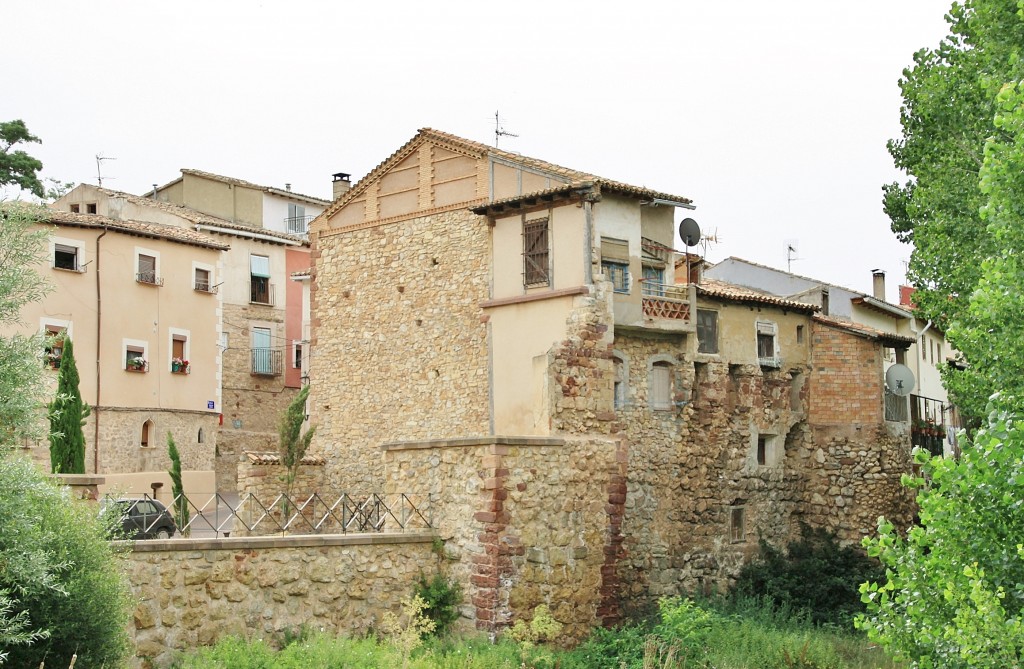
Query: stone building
x,y
505,340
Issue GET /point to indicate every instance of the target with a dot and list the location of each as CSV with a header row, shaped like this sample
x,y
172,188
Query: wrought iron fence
x,y
266,361
220,515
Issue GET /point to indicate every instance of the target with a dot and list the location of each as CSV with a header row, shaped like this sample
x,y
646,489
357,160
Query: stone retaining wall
x,y
192,592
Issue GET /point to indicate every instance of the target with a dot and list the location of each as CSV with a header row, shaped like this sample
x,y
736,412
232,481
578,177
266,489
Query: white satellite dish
x,y
899,379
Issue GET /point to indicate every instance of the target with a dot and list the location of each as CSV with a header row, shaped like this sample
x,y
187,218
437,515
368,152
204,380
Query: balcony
x,y
297,225
661,300
266,362
261,292
204,287
149,278
927,423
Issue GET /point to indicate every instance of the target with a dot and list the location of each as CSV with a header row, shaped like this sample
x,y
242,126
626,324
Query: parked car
x,y
142,518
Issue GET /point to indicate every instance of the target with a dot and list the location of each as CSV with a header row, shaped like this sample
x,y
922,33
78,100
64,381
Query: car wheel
x,y
162,533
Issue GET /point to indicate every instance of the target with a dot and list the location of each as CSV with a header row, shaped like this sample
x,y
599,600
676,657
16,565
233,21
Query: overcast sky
x,y
771,116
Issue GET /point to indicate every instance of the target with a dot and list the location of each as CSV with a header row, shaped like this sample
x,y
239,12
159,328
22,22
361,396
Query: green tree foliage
x,y
954,590
60,581
950,101
814,574
17,167
21,389
442,598
293,443
181,513
67,417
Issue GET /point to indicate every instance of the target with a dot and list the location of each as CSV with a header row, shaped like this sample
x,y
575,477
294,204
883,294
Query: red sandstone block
x,y
484,581
485,600
616,498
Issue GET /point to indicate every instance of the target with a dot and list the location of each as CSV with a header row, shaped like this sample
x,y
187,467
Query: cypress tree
x,y
67,414
181,513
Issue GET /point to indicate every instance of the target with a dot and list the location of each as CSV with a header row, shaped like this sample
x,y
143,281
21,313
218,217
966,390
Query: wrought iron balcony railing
x,y
298,225
266,361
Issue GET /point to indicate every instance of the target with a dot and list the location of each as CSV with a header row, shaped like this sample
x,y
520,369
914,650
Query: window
x,y
535,253
90,208
766,352
147,432
200,437
615,263
737,524
765,453
75,209
179,362
799,334
824,302
661,386
54,344
707,331
147,269
654,281
202,280
67,254
620,385
296,219
297,356
259,277
134,355
265,360
924,350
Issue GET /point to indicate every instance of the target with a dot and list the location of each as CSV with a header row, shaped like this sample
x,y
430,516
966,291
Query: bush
x,y
60,573
815,573
442,598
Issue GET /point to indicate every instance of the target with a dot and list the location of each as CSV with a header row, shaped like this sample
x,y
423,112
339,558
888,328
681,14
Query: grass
x,y
743,634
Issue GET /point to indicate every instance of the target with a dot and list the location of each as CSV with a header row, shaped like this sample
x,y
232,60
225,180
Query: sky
x,y
772,117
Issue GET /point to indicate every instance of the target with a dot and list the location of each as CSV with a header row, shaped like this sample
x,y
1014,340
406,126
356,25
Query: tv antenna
x,y
792,253
500,131
99,172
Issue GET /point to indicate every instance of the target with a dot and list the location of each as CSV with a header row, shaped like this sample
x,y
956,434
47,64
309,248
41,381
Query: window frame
x,y
264,281
770,331
145,277
536,252
134,346
702,341
79,256
738,523
620,380
656,367
185,337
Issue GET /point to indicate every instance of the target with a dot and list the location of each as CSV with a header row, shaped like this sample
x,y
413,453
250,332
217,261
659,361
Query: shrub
x,y
815,573
60,573
442,598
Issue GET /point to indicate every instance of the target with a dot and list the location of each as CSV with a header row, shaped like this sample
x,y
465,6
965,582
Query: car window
x,y
146,507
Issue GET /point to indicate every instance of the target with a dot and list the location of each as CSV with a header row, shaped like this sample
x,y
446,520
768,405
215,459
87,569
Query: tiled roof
x,y
728,291
197,217
138,228
248,184
865,330
275,459
479,150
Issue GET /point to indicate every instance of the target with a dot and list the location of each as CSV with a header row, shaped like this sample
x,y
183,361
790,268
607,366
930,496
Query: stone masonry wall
x,y
524,521
192,592
121,438
406,354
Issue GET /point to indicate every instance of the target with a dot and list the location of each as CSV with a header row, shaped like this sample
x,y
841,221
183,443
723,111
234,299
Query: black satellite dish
x,y
689,232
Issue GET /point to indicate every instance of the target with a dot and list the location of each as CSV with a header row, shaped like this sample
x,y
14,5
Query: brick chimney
x,y
878,284
341,183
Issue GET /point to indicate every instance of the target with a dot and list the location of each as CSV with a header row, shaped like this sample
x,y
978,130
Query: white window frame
x,y
767,328
140,251
78,244
187,334
206,267
46,322
133,343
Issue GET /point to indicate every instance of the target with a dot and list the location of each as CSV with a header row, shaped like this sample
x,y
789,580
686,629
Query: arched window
x,y
147,432
660,398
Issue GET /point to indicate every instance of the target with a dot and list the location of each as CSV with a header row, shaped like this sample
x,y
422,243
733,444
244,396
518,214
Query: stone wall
x,y
192,592
262,476
121,438
406,354
524,521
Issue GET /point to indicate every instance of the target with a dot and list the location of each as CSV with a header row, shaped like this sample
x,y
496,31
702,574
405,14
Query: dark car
x,y
142,518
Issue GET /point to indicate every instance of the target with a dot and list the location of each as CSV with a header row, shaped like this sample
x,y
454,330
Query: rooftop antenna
x,y
99,173
792,253
500,131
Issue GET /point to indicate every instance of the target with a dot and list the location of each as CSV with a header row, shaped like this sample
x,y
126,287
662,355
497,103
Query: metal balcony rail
x,y
261,292
205,287
662,300
150,278
266,361
895,407
219,515
298,225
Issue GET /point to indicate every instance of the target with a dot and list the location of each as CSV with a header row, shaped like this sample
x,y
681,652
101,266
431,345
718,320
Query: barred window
x,y
535,253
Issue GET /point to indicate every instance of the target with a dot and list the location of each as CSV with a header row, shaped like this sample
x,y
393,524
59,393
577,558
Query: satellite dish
x,y
899,380
689,232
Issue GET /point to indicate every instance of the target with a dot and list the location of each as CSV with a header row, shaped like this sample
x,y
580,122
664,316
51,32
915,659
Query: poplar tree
x,y
67,416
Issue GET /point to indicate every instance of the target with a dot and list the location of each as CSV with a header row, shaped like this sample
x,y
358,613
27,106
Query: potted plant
x,y
179,366
137,364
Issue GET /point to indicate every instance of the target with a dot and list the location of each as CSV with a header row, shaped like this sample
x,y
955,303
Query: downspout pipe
x,y
99,323
917,336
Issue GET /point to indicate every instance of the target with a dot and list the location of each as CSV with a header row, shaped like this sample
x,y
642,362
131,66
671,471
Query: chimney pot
x,y
288,187
878,284
341,183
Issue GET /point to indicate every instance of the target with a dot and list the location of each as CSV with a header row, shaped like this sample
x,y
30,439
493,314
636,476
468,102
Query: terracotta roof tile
x,y
275,459
138,228
728,291
865,330
248,184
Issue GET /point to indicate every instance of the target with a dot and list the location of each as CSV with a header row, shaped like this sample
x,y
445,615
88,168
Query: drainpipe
x,y
917,336
99,319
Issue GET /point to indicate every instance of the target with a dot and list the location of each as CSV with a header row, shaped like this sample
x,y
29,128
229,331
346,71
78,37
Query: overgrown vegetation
x,y
441,598
62,584
814,574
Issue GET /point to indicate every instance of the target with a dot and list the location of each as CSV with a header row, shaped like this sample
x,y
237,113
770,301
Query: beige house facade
x,y
146,334
505,340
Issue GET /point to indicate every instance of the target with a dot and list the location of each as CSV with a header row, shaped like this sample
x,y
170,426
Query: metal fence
x,y
219,515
